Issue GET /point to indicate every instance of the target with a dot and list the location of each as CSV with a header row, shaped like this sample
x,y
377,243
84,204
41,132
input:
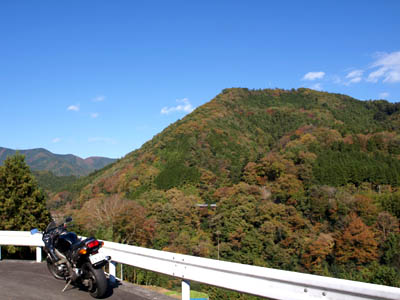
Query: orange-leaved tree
x,y
357,243
317,251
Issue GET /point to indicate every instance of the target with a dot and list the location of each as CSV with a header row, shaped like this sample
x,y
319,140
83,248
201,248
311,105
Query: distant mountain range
x,y
61,165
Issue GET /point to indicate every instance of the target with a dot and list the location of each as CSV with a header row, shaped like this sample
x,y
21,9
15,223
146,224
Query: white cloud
x,y
384,95
393,76
73,107
316,86
355,80
56,140
105,140
314,75
99,99
186,106
94,115
374,76
387,68
355,74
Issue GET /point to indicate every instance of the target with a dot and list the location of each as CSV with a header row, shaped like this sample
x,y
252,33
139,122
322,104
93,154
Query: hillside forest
x,y
302,180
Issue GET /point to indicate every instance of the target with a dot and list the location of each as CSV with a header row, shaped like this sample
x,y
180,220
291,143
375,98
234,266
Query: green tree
x,y
22,203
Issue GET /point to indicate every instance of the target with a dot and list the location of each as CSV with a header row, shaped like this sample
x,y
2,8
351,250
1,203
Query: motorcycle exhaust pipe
x,y
62,257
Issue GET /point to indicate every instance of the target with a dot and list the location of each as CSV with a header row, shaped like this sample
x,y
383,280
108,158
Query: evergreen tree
x,y
22,203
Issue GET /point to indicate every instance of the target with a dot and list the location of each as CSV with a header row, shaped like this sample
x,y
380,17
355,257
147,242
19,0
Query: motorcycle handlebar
x,y
53,226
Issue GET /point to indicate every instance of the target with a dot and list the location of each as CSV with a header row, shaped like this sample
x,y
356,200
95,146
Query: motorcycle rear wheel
x,y
54,270
98,284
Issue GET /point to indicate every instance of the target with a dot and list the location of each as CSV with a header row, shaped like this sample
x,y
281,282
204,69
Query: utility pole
x,y
218,233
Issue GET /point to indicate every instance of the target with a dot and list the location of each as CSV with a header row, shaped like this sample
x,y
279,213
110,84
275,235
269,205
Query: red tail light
x,y
93,244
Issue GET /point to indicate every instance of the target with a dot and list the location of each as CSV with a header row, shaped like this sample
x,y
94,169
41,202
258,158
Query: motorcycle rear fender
x,y
102,263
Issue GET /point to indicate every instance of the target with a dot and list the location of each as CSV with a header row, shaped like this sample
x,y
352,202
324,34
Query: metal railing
x,y
22,238
258,281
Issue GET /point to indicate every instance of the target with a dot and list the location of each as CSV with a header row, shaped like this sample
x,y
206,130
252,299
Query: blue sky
x,y
100,78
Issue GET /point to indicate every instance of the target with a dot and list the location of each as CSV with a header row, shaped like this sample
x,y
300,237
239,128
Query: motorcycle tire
x,y
53,270
98,284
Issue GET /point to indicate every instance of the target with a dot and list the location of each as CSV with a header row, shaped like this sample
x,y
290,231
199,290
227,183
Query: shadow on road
x,y
22,280
110,288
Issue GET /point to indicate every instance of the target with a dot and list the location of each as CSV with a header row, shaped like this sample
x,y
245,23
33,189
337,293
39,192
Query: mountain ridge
x,y
211,118
41,159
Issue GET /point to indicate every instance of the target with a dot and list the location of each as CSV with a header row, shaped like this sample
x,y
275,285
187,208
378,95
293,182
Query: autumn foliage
x,y
357,244
302,180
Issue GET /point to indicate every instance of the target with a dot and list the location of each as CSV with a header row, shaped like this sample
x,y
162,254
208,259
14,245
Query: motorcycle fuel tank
x,y
65,241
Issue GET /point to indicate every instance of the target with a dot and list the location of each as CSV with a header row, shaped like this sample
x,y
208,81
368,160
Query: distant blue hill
x,y
61,165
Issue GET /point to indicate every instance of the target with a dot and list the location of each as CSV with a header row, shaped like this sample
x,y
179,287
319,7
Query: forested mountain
x,y
303,180
60,165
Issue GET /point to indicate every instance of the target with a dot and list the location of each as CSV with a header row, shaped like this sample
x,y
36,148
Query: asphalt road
x,y
30,280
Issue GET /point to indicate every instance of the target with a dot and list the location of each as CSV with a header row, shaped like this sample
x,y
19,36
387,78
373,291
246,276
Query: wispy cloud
x,y
94,115
384,95
105,140
185,106
73,107
314,75
387,68
100,98
56,140
316,86
354,80
354,76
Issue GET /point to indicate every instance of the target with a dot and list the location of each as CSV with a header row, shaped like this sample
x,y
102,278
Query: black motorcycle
x,y
74,259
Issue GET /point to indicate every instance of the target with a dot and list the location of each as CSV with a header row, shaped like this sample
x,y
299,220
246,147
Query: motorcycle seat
x,y
78,244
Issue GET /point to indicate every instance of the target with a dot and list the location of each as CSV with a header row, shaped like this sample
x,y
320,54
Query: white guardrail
x,y
258,281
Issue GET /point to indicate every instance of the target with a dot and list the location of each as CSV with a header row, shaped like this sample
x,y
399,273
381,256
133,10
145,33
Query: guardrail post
x,y
38,254
122,272
0,252
185,290
112,270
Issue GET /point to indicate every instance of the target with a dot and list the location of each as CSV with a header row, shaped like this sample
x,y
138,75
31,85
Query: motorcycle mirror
x,y
68,220
34,231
